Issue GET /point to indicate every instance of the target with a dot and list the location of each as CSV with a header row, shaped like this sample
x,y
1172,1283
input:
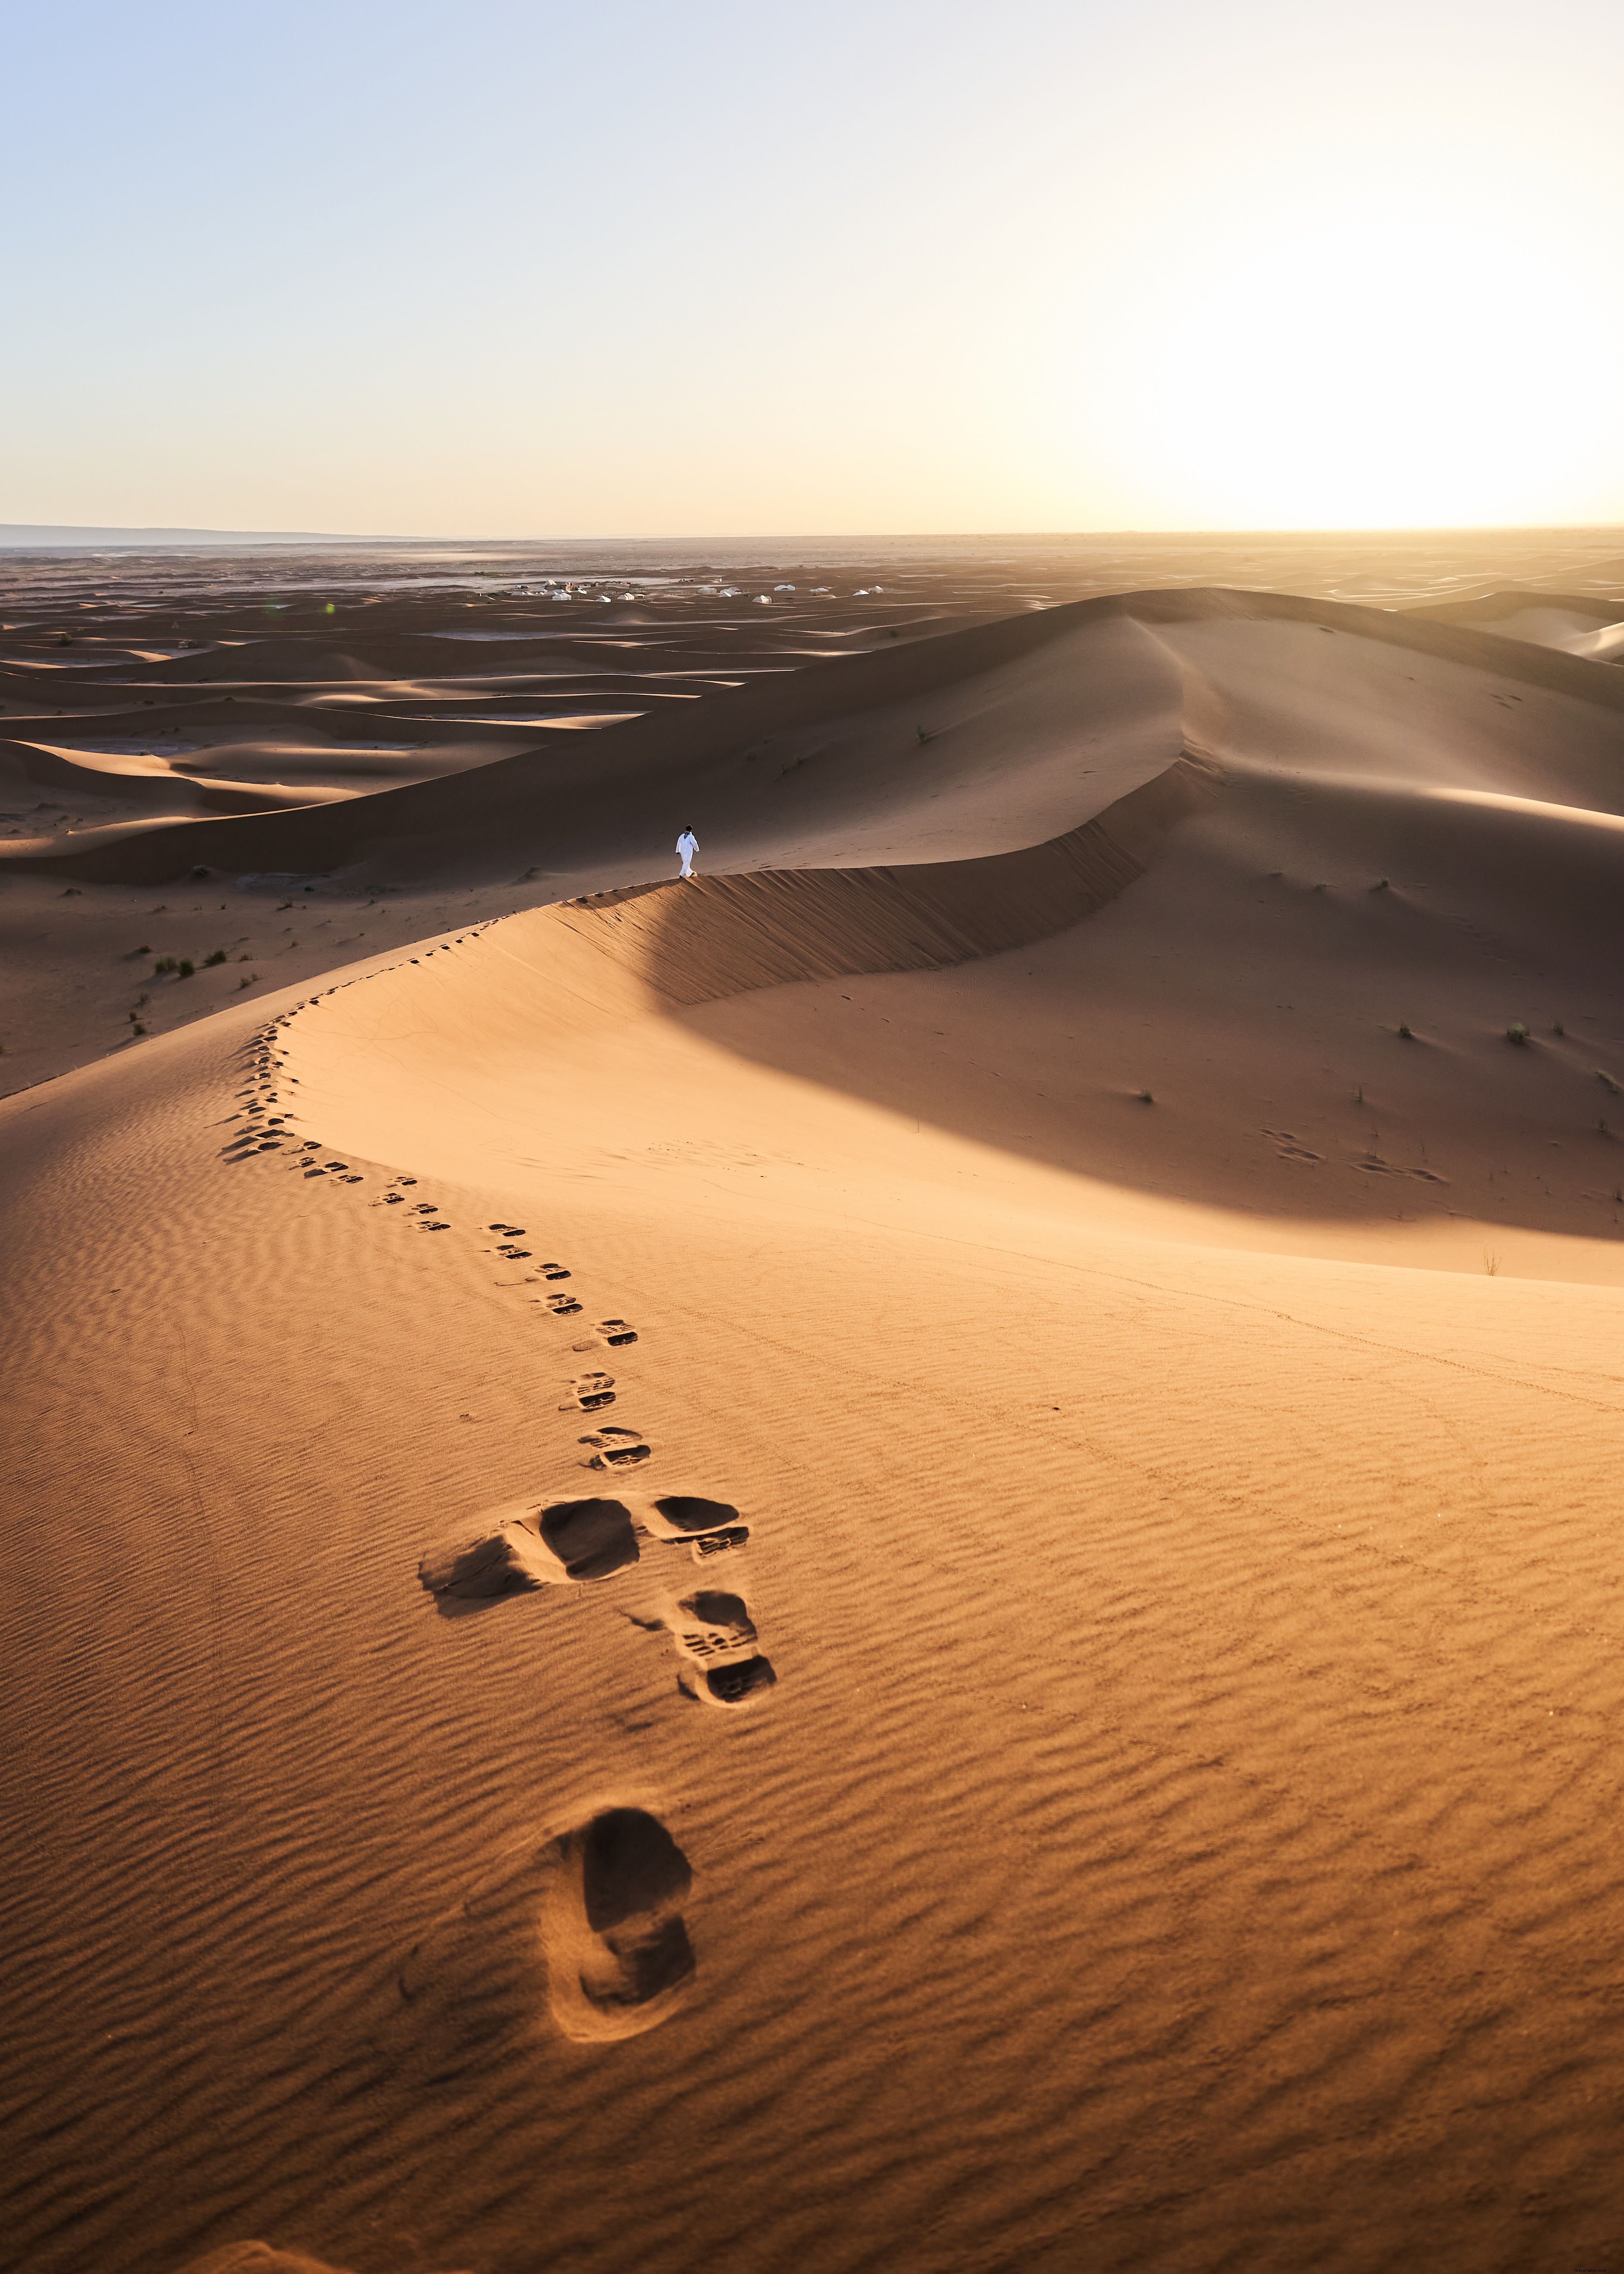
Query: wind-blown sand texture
x,y
906,1557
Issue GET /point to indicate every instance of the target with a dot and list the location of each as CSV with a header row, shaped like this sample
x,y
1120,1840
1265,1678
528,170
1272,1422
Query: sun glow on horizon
x,y
1066,265
1384,367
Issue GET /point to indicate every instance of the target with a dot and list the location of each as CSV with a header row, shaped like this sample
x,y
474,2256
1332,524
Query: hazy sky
x,y
689,267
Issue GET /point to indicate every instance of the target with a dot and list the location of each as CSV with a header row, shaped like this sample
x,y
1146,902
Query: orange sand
x,y
1174,1527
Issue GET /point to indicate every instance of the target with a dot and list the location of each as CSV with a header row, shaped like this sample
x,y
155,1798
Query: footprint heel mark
x,y
617,1449
617,1332
737,1682
563,1306
711,1526
552,1271
618,1957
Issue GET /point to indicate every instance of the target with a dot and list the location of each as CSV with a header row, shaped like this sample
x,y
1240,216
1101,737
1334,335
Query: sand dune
x,y
904,1557
1583,624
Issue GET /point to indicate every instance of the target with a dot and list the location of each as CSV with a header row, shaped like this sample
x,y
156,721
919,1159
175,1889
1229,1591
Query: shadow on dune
x,y
564,802
1331,1003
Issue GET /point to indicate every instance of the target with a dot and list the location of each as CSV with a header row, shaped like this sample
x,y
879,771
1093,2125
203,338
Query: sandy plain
x,y
1057,1706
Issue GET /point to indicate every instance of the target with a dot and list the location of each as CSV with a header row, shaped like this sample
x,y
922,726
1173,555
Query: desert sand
x,y
869,1563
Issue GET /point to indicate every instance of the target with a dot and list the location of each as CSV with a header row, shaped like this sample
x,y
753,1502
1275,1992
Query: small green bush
x,y
1405,1036
165,963
184,968
219,956
1516,1032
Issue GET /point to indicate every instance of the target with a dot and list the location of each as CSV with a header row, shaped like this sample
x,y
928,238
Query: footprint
x,y
1288,1148
616,1332
513,1254
552,1271
590,1538
710,1625
517,1548
617,1449
712,1526
589,1392
563,1306
618,1958
716,1630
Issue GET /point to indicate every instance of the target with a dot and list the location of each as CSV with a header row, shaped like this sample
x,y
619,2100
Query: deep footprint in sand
x,y
617,1332
563,1306
513,1550
618,1958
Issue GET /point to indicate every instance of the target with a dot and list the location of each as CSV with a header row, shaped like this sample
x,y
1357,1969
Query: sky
x,y
691,268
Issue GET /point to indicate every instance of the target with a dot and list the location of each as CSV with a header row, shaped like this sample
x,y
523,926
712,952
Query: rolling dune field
x,y
905,1557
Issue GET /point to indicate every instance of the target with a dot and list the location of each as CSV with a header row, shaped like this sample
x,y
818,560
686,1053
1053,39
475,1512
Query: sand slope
x,y
1177,1831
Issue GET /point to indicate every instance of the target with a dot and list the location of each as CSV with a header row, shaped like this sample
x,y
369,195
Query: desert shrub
x,y
184,968
209,962
1516,1032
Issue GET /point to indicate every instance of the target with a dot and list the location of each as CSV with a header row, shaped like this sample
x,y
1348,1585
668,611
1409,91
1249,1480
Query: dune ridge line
x,y
717,936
